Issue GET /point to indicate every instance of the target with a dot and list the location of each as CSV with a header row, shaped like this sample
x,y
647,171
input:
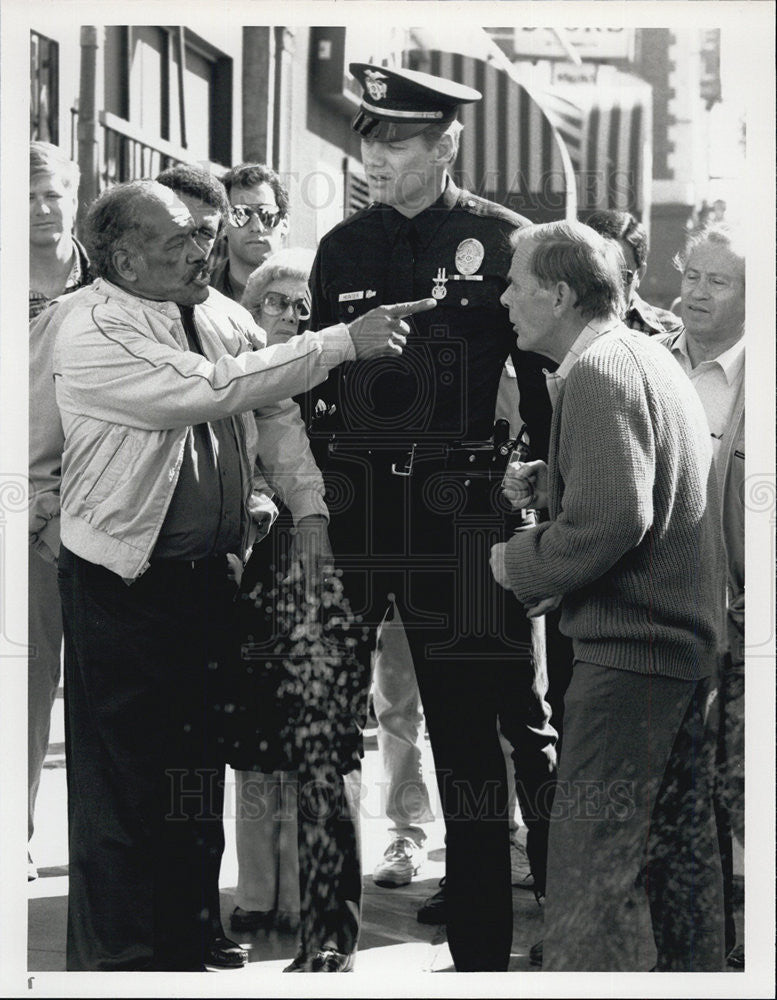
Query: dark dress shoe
x,y
736,957
535,955
250,920
225,954
333,961
432,910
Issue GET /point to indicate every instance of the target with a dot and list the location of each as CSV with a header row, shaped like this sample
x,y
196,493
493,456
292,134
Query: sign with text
x,y
567,72
589,43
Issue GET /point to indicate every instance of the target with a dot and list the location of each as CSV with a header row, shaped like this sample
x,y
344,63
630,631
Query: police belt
x,y
463,456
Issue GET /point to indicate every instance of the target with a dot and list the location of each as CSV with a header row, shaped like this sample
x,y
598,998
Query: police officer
x,y
411,489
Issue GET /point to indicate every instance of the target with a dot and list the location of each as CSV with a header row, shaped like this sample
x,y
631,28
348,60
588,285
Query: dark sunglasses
x,y
276,304
241,215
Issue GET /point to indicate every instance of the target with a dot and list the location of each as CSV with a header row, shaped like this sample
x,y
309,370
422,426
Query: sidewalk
x,y
391,936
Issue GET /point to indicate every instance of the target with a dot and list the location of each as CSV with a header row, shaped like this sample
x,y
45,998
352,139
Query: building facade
x,y
571,121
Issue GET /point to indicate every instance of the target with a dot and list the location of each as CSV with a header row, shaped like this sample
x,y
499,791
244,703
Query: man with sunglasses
x,y
256,227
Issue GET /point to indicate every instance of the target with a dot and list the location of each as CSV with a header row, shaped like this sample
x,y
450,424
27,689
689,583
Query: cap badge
x,y
376,87
469,256
439,291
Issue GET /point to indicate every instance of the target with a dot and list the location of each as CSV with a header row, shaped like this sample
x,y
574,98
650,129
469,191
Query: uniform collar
x,y
426,223
730,361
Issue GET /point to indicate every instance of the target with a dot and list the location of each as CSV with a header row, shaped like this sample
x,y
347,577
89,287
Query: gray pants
x,y
632,834
266,841
44,669
400,717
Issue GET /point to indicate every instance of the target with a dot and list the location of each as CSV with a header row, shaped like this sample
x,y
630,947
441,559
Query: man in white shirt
x,y
711,351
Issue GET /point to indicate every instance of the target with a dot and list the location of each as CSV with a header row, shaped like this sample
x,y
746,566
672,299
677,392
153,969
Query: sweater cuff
x,y
519,559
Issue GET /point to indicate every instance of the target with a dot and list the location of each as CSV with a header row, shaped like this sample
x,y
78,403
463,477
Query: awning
x,y
547,150
510,150
607,129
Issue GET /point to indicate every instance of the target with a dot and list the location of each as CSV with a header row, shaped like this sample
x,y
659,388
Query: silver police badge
x,y
375,87
469,256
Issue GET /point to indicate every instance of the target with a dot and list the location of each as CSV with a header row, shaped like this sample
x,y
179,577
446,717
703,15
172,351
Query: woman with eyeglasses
x,y
267,894
277,294
299,702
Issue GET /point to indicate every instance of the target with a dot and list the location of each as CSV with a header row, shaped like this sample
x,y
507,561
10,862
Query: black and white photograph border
x,y
749,190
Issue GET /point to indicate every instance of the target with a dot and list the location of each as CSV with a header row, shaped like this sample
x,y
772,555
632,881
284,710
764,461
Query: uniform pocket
x,y
468,294
347,305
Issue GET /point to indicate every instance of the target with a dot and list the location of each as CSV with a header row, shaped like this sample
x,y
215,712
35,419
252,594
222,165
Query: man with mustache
x,y
155,382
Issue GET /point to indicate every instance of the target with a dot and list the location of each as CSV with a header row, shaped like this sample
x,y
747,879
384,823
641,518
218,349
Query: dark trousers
x,y
300,698
144,762
425,541
729,781
632,838
329,862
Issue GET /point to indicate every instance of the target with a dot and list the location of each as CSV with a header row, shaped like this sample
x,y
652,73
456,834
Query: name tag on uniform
x,y
350,296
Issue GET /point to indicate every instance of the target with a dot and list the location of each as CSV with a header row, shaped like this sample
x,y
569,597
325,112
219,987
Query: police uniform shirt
x,y
444,385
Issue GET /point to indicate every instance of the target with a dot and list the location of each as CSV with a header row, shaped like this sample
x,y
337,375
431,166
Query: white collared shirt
x,y
716,381
585,338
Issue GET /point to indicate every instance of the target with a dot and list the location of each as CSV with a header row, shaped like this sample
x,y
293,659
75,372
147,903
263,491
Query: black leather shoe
x,y
432,910
250,920
736,957
535,955
225,954
332,961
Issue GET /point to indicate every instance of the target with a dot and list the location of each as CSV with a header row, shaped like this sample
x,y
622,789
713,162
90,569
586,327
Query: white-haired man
x,y
632,553
711,351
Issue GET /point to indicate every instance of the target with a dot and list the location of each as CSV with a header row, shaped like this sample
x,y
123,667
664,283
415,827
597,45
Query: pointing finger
x,y
409,308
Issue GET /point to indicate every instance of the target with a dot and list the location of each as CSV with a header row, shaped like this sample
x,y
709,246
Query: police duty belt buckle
x,y
407,469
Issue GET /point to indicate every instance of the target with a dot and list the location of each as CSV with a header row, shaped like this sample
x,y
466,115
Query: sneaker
x,y
401,861
432,910
520,869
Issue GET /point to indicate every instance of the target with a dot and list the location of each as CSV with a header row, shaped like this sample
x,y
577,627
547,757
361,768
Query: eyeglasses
x,y
241,215
276,304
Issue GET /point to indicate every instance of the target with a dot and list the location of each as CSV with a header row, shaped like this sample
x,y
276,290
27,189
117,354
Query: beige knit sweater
x,y
633,544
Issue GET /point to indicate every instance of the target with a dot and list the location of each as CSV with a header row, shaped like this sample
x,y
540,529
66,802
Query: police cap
x,y
400,103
